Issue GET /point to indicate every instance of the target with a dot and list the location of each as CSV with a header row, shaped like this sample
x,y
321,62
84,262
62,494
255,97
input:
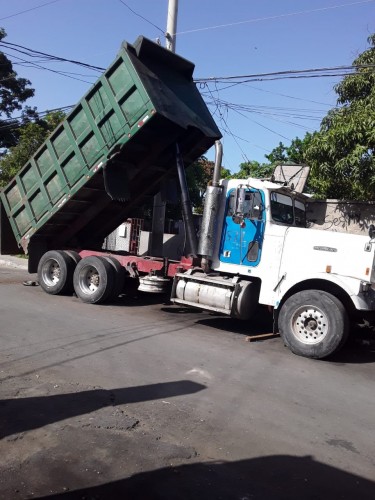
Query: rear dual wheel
x,y
119,277
98,279
94,279
55,271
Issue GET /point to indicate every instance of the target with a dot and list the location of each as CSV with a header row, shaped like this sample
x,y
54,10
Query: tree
x,y
198,176
14,91
253,169
295,153
278,154
341,154
31,136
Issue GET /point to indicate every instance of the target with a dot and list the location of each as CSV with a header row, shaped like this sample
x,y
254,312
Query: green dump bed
x,y
110,152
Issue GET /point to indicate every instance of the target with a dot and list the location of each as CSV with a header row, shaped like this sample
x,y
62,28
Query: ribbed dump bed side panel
x,y
123,131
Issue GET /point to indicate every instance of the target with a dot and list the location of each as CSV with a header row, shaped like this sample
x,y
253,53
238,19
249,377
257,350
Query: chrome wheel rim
x,y
51,272
89,280
310,324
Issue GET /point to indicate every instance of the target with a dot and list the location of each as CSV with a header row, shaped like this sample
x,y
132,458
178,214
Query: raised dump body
x,y
110,152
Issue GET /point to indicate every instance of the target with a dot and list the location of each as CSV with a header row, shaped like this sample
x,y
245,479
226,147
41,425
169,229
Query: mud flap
x,y
8,242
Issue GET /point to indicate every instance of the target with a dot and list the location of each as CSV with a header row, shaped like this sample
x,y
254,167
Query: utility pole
x,y
171,25
158,212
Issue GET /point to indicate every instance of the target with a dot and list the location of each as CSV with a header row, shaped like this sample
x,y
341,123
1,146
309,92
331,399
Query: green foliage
x,y
253,169
341,154
281,154
295,153
278,154
14,91
31,136
198,176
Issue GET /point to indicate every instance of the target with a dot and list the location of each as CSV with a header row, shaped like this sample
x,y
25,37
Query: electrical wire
x,y
270,18
28,10
334,71
62,73
15,123
288,96
139,15
225,127
310,73
277,114
36,53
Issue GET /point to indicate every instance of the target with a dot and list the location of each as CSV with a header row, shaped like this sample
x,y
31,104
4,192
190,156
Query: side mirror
x,y
239,204
371,231
240,200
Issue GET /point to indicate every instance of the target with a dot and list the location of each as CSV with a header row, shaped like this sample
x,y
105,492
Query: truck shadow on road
x,y
23,414
277,477
359,349
139,299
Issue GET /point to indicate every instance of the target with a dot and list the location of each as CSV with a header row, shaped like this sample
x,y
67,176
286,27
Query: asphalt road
x,y
144,400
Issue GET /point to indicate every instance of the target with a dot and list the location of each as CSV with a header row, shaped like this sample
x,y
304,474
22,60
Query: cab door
x,y
243,228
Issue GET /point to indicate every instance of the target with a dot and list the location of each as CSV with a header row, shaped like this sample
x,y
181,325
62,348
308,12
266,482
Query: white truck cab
x,y
263,252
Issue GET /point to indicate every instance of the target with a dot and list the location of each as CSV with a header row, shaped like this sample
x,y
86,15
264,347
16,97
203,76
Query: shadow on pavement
x,y
260,323
23,414
278,477
181,310
139,299
359,349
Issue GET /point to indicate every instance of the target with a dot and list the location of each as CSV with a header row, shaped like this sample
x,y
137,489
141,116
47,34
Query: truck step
x,y
201,306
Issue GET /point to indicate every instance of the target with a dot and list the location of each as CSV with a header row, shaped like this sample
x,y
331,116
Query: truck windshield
x,y
286,210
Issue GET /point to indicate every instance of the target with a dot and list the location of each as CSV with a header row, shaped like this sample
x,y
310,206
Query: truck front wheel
x,y
313,324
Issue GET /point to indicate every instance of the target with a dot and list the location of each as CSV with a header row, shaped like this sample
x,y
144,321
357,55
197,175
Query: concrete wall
x,y
341,216
173,245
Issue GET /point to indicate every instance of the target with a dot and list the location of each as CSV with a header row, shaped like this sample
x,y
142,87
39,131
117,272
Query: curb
x,y
13,263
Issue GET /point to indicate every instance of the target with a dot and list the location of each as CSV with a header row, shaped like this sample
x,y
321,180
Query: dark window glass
x,y
282,208
252,251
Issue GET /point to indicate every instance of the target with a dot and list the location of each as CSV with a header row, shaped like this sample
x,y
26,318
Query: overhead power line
x,y
15,122
288,96
302,73
38,66
36,53
139,15
28,10
270,18
334,71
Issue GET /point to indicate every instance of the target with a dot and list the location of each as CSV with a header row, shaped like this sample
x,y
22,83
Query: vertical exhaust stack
x,y
211,207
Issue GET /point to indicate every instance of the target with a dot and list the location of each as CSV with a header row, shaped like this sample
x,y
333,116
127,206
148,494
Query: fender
x,y
351,286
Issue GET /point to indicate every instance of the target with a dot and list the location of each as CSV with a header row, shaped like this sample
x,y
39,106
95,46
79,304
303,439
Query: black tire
x,y
93,280
55,272
73,255
119,276
313,324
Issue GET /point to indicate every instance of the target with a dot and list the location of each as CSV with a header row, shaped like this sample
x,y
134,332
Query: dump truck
x,y
142,122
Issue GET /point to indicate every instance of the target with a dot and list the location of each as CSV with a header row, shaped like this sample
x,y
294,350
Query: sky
x,y
221,37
